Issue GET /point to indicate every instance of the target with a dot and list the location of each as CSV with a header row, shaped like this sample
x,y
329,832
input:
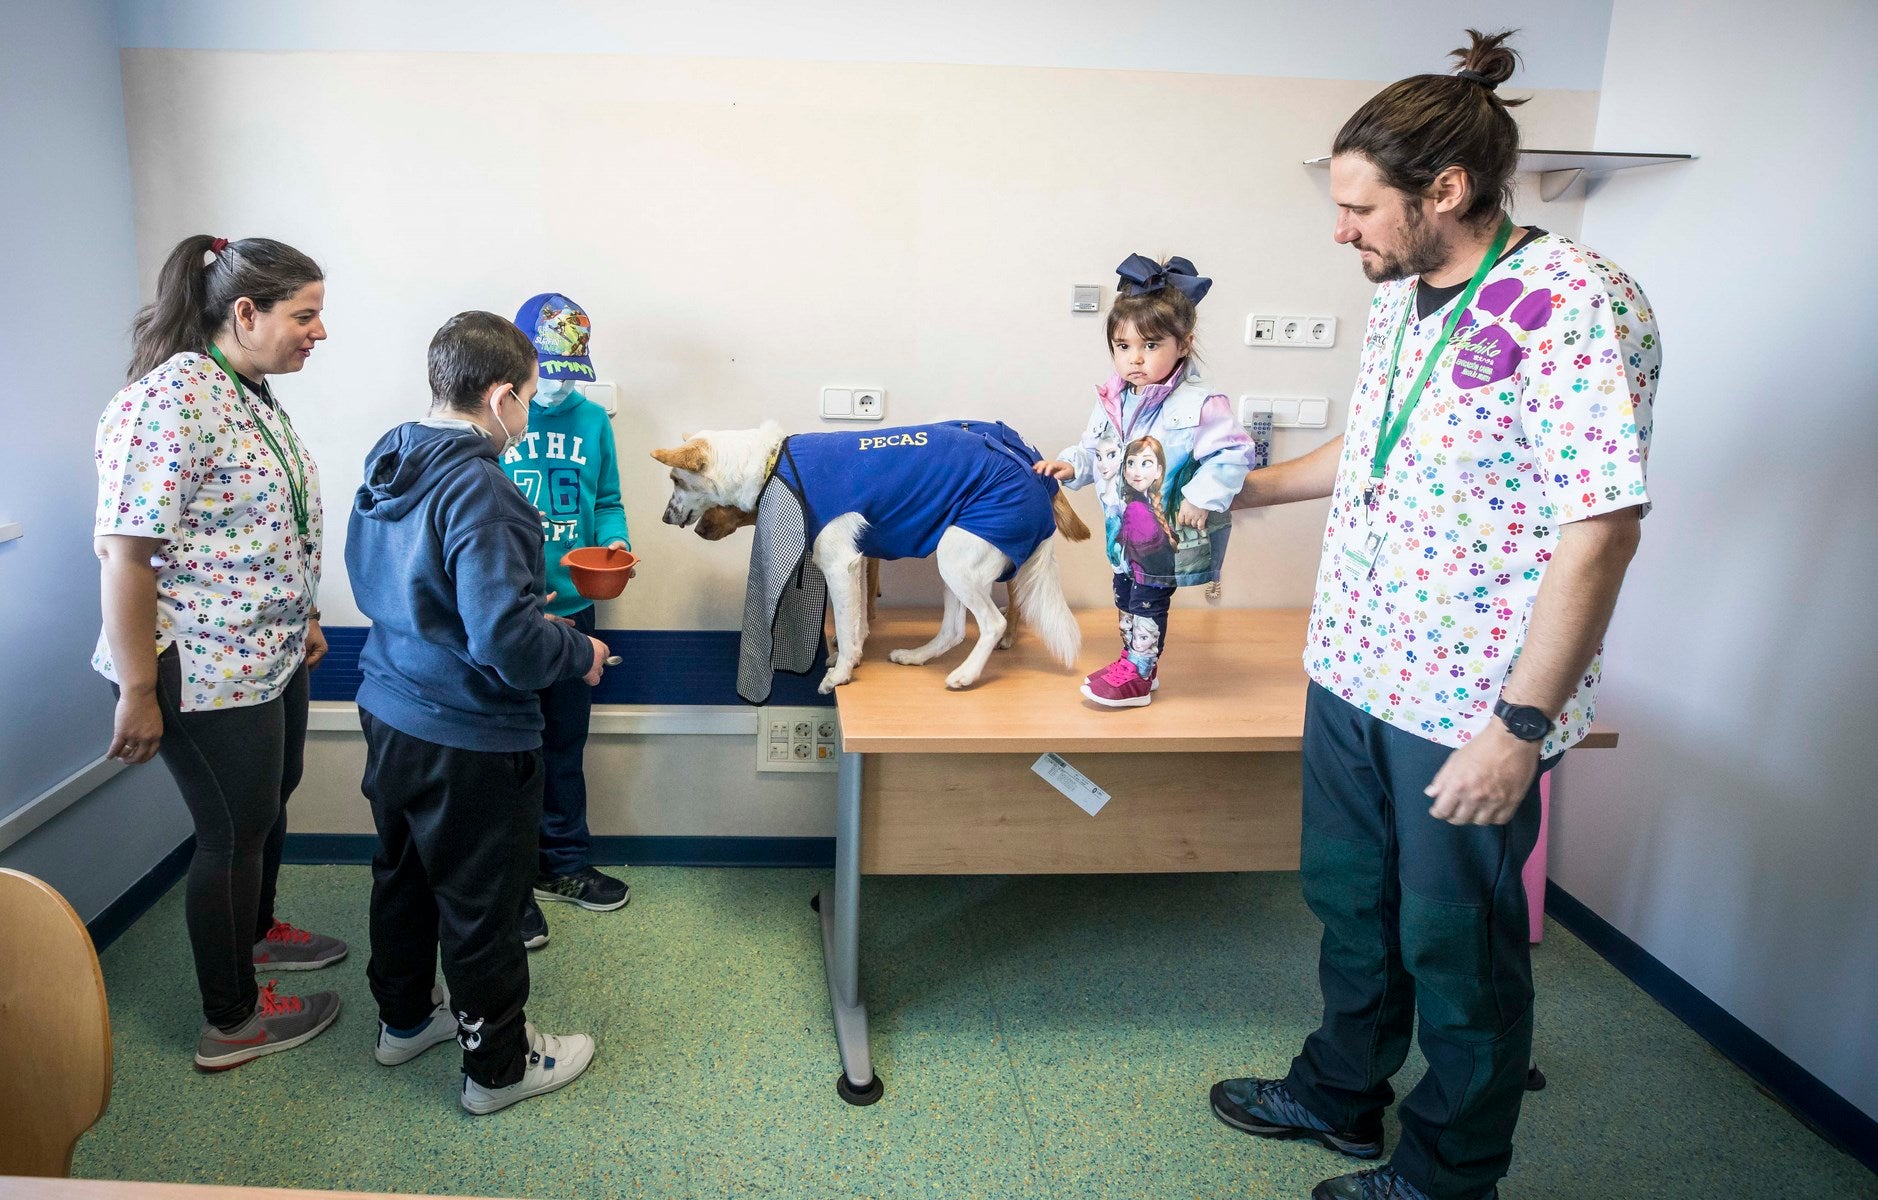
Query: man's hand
x,y
315,645
1484,781
1191,517
599,662
1055,469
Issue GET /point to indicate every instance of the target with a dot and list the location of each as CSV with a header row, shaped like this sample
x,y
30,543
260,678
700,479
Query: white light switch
x,y
606,395
1287,412
838,402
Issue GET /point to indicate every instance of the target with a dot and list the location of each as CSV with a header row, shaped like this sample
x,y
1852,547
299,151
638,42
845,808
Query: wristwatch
x,y
1523,721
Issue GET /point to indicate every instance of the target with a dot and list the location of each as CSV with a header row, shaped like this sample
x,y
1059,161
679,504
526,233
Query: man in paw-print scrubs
x,y
1485,501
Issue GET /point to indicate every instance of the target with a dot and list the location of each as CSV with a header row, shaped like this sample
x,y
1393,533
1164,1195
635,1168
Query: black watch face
x,y
1528,724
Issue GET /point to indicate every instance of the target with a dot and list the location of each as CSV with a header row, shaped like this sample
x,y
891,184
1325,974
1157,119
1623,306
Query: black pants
x,y
235,768
566,710
1143,610
456,852
1421,918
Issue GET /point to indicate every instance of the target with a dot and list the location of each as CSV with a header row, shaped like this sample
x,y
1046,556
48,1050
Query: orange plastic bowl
x,y
599,573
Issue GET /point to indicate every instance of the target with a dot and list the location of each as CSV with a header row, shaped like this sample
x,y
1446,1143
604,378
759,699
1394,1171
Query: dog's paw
x,y
961,679
835,678
1008,640
906,658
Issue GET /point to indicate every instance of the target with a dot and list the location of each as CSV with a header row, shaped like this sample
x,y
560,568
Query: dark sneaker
x,y
553,1062
1382,1184
286,948
534,925
585,887
279,1023
395,1049
1267,1108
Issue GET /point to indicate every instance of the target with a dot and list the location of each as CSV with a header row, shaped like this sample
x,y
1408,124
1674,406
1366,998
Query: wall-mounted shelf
x,y
1559,169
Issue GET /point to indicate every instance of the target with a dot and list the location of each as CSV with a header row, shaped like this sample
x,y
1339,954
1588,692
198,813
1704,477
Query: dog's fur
x,y
717,478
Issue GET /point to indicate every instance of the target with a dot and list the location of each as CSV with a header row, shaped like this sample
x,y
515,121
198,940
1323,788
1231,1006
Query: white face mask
x,y
552,393
509,440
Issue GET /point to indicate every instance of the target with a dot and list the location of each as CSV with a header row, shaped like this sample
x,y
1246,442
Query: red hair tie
x,y
218,245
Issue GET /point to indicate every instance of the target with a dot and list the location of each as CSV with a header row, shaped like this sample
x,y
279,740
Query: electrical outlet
x,y
870,404
797,739
853,404
1315,333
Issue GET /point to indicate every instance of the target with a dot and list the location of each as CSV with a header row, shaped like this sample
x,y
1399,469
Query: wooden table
x,y
944,780
934,782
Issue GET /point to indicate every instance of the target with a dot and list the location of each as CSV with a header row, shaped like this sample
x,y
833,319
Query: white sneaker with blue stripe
x,y
553,1062
393,1049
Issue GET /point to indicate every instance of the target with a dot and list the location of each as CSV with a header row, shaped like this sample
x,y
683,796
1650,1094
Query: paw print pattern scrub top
x,y
181,459
1536,414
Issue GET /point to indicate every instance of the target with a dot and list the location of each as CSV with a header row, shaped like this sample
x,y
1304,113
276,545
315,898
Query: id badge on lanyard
x,y
1363,545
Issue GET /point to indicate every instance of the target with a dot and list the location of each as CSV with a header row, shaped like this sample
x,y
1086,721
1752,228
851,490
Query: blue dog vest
x,y
914,482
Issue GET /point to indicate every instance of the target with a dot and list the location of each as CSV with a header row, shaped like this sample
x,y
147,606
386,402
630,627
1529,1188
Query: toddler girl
x,y
1182,455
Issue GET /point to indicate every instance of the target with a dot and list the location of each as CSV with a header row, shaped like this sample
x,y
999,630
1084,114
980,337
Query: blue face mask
x,y
550,394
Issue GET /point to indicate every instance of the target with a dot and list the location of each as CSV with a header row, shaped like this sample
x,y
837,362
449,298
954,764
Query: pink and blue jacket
x,y
1206,457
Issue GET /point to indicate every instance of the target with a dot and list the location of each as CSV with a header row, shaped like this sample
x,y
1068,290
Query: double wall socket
x,y
1314,333
797,739
854,404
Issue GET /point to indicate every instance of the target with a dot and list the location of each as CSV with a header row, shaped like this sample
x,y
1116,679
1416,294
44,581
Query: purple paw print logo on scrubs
x,y
1490,355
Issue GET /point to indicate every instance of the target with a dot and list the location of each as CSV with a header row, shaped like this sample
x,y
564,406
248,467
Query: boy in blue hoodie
x,y
567,467
444,557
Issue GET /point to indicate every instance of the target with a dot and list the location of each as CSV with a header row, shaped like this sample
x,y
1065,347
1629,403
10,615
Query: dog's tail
x,y
1039,597
1067,522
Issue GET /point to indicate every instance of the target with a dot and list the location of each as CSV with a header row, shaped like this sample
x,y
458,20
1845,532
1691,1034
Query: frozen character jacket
x,y
911,484
1208,455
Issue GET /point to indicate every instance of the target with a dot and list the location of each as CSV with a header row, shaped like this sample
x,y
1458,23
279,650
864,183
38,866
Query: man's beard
x,y
1423,250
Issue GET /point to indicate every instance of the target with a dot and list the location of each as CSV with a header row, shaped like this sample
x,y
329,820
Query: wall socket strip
x,y
854,404
1287,412
797,739
1311,333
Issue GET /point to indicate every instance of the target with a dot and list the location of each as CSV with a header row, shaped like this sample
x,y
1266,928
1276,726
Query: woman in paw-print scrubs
x,y
208,531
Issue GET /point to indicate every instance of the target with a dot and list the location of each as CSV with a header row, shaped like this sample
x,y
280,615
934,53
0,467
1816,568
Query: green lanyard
x,y
296,478
1391,432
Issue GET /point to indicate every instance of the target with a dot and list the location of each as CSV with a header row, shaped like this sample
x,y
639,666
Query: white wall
x,y
1352,39
1732,833
743,233
66,296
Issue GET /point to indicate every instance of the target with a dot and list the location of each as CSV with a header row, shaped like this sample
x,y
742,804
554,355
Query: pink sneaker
x,y
1119,685
1154,685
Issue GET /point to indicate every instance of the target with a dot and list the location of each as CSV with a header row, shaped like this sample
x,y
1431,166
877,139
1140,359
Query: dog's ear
x,y
694,455
721,520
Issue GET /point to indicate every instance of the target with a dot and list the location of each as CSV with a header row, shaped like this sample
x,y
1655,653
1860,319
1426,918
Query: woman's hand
x,y
1055,469
315,645
137,727
1191,517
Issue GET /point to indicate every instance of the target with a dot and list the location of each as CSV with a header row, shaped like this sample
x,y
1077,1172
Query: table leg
x,y
857,1083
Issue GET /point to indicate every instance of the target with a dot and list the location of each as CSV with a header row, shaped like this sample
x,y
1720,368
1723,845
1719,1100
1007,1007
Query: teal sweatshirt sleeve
x,y
609,514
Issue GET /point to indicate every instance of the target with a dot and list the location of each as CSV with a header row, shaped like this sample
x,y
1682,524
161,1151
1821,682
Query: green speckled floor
x,y
1039,1037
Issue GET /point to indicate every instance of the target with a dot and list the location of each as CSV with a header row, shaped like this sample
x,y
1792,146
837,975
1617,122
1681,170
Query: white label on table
x,y
1071,782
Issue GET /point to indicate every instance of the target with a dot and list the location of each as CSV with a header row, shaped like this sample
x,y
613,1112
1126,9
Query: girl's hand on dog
x,y
1055,469
1191,517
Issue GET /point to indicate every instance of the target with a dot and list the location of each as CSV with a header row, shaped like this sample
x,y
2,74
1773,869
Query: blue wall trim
x,y
354,848
663,666
124,911
1829,1114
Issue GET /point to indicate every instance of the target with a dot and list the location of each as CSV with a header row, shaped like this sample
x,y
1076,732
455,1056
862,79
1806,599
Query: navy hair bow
x,y
1142,274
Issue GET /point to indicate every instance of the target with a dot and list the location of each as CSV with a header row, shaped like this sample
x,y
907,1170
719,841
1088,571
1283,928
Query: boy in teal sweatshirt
x,y
567,468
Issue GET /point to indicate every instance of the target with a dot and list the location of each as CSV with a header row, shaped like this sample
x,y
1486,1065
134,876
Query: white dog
x,y
964,490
